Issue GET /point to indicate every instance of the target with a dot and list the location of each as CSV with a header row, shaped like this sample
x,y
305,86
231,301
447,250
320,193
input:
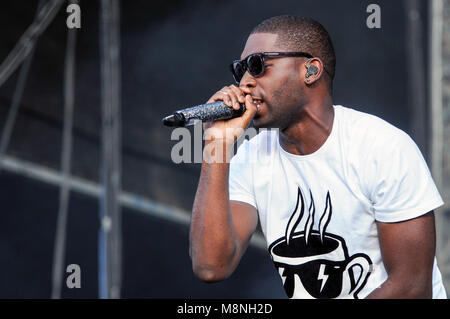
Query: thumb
x,y
250,110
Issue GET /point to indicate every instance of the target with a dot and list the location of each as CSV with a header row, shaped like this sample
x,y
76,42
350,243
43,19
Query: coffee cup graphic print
x,y
314,263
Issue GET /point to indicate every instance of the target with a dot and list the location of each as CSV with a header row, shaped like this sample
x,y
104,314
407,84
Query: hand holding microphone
x,y
229,105
205,112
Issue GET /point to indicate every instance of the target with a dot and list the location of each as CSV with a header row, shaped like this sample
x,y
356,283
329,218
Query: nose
x,y
247,83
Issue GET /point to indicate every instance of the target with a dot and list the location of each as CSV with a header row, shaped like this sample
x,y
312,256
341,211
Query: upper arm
x,y
245,221
401,189
242,198
408,250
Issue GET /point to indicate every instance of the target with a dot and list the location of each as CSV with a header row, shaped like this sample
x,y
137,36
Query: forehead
x,y
260,42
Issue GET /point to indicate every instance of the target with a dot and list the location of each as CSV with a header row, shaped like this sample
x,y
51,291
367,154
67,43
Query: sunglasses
x,y
254,63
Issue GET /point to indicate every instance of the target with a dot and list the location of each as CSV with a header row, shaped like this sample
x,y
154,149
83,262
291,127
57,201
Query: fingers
x,y
238,94
250,108
231,95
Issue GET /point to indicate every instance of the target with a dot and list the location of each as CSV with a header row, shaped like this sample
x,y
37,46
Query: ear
x,y
313,70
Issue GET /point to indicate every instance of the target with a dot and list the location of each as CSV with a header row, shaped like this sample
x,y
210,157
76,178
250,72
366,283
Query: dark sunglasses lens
x,y
255,65
238,71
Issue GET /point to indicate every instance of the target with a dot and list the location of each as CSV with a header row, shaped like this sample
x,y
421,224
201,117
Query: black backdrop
x,y
174,54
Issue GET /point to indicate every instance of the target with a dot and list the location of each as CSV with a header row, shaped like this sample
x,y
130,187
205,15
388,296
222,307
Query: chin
x,y
259,123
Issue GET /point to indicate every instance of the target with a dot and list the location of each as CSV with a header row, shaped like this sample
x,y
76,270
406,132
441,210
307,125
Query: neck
x,y
312,129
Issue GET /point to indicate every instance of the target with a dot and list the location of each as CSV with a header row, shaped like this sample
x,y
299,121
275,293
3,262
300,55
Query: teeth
x,y
258,103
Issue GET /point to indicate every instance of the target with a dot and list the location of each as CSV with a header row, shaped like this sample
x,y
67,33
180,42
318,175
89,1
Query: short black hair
x,y
302,34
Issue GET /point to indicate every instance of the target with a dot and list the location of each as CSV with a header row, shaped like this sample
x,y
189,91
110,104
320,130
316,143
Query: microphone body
x,y
205,112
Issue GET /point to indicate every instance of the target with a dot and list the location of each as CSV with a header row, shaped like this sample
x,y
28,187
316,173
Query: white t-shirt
x,y
318,211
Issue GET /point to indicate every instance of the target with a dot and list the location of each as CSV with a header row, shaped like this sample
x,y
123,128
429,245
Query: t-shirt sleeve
x,y
241,176
402,186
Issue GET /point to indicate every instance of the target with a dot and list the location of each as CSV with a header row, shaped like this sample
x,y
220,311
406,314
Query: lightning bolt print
x,y
322,276
281,272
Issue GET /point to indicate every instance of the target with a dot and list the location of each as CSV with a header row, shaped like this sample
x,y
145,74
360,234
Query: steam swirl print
x,y
314,263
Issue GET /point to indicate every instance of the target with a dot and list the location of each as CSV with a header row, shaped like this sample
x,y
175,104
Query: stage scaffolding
x,y
109,193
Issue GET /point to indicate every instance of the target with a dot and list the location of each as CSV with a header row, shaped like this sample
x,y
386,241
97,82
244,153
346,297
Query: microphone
x,y
204,112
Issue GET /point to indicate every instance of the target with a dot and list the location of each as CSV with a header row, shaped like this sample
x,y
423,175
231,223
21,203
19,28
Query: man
x,y
345,200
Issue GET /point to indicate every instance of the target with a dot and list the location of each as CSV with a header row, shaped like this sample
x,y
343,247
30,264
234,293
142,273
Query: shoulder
x,y
373,146
388,164
370,132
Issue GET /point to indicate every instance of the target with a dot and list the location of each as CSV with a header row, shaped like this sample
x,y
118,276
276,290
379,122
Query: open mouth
x,y
258,102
